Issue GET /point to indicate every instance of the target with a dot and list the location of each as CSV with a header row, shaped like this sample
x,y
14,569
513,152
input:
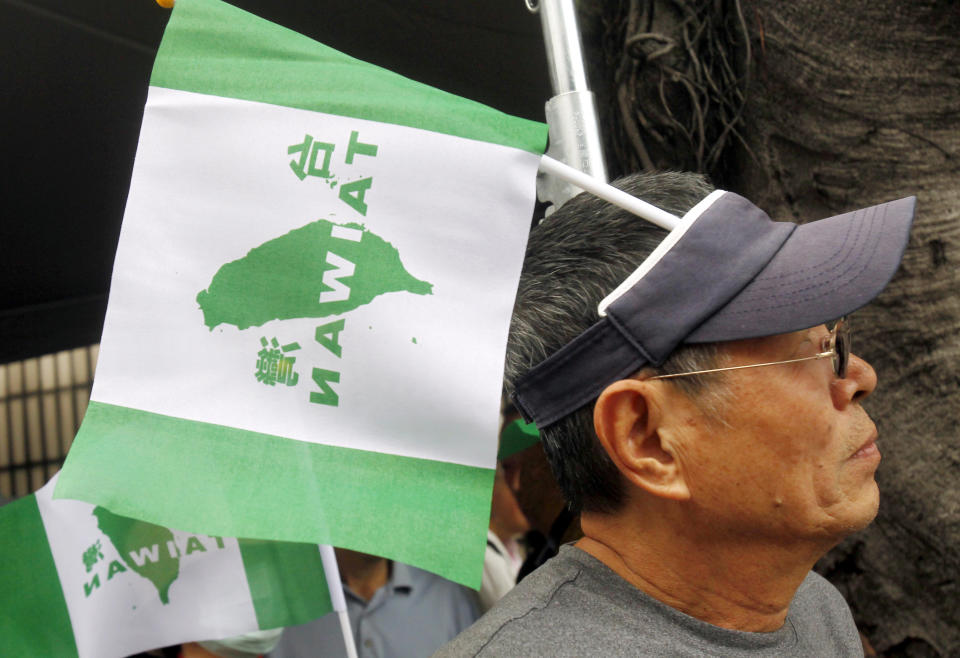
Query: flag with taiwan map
x,y
310,301
79,580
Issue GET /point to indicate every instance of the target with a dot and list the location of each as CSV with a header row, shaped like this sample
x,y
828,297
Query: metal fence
x,y
42,401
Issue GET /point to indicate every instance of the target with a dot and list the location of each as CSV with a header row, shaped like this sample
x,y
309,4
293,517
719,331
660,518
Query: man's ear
x,y
628,420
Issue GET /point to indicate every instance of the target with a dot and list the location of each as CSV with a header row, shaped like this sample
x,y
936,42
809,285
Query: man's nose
x,y
860,382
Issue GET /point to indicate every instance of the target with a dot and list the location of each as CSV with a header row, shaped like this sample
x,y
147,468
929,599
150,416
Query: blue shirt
x,y
414,614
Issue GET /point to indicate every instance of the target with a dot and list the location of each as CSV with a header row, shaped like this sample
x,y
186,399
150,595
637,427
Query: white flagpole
x,y
572,112
609,193
337,598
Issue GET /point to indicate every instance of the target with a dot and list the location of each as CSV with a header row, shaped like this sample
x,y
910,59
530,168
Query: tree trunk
x,y
836,106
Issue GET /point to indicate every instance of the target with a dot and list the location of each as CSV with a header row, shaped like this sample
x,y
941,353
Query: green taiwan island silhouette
x,y
315,271
144,548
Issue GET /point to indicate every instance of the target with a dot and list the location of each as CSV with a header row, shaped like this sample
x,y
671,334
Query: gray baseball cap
x,y
726,272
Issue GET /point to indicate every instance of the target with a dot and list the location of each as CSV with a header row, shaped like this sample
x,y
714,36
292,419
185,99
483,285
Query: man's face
x,y
794,455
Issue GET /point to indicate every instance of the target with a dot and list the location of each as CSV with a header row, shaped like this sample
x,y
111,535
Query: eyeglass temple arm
x,y
821,355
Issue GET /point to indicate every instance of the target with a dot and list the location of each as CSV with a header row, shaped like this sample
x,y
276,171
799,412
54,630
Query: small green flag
x,y
78,580
314,279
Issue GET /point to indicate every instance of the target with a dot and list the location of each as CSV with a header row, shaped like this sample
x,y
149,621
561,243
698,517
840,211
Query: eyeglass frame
x,y
838,348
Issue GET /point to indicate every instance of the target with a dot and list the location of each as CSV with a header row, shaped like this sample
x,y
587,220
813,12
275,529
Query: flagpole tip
x,y
166,4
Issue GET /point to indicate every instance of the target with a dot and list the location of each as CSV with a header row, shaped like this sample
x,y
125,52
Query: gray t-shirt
x,y
574,605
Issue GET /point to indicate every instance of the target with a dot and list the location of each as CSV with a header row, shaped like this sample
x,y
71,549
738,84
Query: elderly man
x,y
705,420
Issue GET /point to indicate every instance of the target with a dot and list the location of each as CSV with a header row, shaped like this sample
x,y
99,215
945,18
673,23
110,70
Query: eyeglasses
x,y
835,346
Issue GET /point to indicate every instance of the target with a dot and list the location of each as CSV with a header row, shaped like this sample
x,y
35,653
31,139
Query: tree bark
x,y
849,104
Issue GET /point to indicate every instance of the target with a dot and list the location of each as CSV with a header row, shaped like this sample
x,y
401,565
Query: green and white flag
x,y
310,301
78,580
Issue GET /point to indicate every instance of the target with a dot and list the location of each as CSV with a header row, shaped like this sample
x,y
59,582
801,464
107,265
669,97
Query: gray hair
x,y
575,258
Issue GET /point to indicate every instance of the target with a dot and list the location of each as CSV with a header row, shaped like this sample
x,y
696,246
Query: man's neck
x,y
363,574
734,584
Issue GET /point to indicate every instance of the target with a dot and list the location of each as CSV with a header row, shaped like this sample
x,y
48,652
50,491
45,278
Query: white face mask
x,y
244,646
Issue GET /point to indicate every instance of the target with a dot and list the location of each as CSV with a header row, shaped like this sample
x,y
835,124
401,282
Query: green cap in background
x,y
518,435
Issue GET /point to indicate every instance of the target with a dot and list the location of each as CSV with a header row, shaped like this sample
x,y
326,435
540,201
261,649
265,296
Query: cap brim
x,y
824,270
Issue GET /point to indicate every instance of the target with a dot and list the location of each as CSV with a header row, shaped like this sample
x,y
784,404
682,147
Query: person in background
x,y
395,610
249,645
527,473
504,553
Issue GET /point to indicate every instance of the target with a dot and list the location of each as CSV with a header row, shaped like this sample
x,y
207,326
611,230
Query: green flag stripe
x,y
286,582
211,479
34,620
211,47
